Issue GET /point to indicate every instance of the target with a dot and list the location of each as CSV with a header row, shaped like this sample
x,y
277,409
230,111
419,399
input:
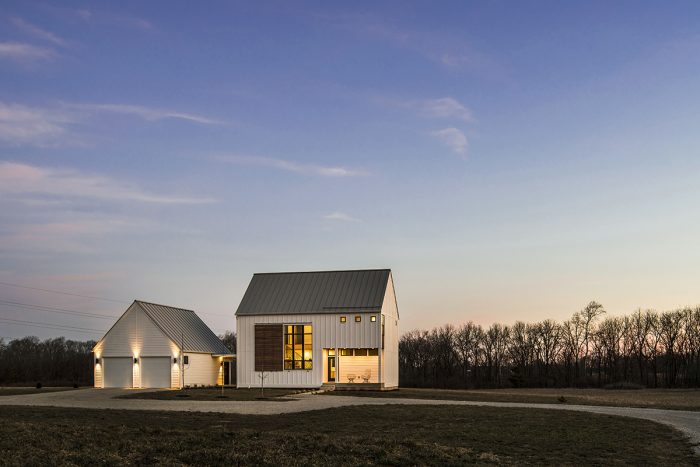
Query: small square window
x,y
373,318
358,318
343,319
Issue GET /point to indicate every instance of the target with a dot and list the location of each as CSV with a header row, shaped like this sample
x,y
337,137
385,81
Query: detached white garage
x,y
158,346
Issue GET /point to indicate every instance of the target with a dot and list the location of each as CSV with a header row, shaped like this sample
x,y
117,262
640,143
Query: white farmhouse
x,y
308,329
158,346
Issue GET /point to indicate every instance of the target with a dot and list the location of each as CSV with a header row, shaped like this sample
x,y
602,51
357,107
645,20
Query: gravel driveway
x,y
686,422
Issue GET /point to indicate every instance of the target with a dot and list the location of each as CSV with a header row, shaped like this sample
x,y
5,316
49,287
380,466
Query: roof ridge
x,y
318,272
166,306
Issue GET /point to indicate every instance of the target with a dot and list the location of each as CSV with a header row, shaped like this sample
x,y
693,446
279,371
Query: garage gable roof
x,y
179,324
315,292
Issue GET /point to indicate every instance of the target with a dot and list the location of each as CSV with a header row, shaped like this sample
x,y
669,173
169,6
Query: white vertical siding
x,y
328,332
390,355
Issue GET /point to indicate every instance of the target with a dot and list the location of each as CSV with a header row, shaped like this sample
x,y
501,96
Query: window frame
x,y
343,319
298,342
358,318
373,318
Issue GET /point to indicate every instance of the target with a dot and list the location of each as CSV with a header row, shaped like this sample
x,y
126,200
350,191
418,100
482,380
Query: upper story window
x,y
358,318
298,347
373,318
343,319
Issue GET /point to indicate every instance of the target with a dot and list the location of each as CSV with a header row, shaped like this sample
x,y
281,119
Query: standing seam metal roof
x,y
314,292
178,322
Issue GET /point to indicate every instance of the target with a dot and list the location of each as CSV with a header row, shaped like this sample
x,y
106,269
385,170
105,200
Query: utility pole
x,y
182,358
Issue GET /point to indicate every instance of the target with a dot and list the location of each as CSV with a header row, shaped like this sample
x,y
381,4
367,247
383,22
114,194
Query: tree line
x,y
51,362
645,348
55,362
591,349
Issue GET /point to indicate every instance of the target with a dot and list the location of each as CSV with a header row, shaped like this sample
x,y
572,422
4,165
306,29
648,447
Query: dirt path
x,y
685,421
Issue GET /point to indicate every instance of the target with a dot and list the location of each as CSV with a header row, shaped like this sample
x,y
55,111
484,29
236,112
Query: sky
x,y
507,160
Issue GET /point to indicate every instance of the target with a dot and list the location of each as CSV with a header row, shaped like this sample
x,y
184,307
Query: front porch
x,y
354,368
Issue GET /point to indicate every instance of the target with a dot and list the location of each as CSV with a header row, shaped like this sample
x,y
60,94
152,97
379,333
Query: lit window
x,y
358,318
298,348
343,319
373,318
346,352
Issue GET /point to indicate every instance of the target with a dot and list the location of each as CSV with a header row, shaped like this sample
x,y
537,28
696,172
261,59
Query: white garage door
x,y
118,372
155,372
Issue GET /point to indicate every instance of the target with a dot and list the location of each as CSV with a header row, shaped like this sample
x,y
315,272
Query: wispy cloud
x,y
147,113
454,139
50,126
38,32
17,179
27,53
442,107
20,124
340,217
446,50
291,166
94,16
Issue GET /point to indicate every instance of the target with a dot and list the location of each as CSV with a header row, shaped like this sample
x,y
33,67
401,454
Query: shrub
x,y
38,385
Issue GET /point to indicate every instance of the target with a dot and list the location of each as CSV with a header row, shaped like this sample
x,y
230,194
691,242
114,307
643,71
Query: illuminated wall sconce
x,y
97,361
174,359
136,360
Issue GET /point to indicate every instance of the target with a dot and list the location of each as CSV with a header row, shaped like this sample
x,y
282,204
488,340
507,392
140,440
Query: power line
x,y
9,284
52,309
59,327
61,293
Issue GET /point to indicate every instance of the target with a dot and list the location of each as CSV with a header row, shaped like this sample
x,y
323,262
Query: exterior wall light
x,y
136,360
174,359
97,361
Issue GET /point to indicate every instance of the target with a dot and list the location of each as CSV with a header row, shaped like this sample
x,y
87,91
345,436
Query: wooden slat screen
x,y
268,347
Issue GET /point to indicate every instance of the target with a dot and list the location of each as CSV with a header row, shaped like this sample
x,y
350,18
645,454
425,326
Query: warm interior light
x,y
307,355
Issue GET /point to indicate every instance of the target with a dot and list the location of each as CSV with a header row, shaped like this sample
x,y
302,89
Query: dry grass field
x,y
364,435
675,399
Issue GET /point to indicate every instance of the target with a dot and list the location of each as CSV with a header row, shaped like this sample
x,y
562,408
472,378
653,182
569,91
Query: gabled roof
x,y
315,292
180,324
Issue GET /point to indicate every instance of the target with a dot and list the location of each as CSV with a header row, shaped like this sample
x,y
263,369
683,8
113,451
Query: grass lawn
x,y
392,434
10,391
209,394
675,399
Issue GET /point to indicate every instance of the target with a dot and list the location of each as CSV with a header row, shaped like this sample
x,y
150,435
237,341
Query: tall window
x,y
298,347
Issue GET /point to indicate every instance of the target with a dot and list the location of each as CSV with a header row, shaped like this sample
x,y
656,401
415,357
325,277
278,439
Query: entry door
x,y
118,372
331,368
227,373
